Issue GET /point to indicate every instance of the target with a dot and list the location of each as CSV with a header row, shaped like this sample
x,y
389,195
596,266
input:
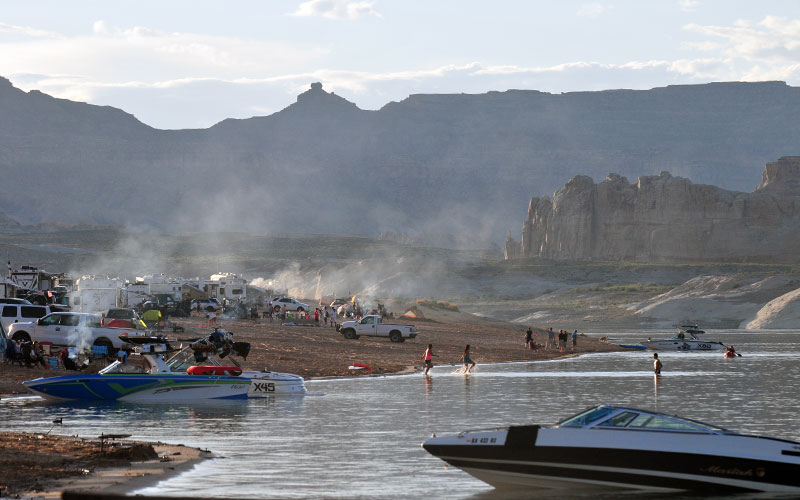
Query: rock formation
x,y
781,312
429,164
666,219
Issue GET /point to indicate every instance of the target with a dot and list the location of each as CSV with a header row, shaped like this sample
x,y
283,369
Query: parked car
x,y
209,305
121,317
21,313
161,301
373,326
288,304
72,329
14,300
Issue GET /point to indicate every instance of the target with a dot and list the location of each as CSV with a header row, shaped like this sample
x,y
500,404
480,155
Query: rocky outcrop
x,y
667,219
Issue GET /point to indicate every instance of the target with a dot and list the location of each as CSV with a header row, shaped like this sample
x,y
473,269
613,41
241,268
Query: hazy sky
x,y
192,63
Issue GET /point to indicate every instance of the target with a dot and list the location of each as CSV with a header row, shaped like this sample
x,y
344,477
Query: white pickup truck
x,y
373,326
72,329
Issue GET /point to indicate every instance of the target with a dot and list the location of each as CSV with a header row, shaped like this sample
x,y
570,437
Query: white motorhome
x,y
226,286
94,294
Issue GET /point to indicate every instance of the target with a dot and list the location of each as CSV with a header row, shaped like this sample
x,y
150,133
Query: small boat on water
x,y
614,447
192,373
678,343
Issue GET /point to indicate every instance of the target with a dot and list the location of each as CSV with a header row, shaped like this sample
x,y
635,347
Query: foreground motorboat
x,y
192,373
614,447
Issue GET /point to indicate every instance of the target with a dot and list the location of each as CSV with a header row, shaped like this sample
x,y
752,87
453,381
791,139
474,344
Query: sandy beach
x,y
312,352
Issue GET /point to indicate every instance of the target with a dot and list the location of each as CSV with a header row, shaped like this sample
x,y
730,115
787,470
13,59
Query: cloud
x,y
772,40
26,31
592,10
688,5
336,9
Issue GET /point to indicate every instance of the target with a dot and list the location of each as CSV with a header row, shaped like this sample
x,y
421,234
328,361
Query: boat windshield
x,y
587,417
610,417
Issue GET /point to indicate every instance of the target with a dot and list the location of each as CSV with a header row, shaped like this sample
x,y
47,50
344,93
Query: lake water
x,y
359,438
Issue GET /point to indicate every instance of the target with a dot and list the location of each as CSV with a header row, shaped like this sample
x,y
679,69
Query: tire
x,y
210,309
349,334
300,310
107,343
21,337
395,336
276,309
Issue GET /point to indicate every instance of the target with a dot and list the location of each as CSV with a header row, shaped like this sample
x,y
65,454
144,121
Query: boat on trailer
x,y
157,373
619,448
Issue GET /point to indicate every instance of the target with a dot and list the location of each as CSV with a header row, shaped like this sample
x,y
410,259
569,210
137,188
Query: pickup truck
x,y
72,330
373,326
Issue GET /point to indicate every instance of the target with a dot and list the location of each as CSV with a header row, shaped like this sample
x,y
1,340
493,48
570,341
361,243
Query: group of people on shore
x,y
466,358
29,353
563,338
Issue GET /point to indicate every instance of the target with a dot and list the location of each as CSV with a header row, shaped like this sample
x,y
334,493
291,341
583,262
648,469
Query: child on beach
x,y
428,357
467,360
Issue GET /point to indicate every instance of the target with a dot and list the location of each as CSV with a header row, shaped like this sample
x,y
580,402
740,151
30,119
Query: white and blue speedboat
x,y
614,447
193,373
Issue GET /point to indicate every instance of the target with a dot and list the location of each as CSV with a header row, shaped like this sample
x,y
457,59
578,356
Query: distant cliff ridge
x,y
429,164
666,219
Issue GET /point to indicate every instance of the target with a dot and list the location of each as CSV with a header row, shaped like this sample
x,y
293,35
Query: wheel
x,y
21,337
395,336
300,309
103,342
349,334
210,309
276,309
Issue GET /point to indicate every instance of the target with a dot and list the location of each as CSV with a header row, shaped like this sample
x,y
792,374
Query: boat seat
x,y
229,371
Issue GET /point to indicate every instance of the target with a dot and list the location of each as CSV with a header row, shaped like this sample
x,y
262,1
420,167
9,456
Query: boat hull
x,y
683,345
269,384
143,388
652,461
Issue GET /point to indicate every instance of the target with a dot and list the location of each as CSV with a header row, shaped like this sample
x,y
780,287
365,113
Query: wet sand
x,y
43,466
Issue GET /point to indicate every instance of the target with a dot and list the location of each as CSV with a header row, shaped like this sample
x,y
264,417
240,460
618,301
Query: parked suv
x,y
288,304
20,313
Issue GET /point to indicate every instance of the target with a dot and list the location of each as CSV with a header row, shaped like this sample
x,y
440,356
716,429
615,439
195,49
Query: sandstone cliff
x,y
429,164
666,219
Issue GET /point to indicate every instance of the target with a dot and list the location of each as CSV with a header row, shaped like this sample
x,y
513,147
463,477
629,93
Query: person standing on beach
x,y
529,338
467,360
575,340
428,357
657,366
551,337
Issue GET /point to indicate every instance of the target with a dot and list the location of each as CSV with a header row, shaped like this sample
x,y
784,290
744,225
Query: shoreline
x,y
315,352
44,466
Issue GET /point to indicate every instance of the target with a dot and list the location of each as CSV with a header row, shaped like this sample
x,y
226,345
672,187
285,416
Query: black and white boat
x,y
614,447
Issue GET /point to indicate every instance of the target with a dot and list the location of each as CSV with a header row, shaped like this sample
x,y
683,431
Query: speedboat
x,y
681,343
613,447
192,373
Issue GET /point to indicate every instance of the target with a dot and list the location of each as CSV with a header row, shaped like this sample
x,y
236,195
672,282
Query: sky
x,y
192,63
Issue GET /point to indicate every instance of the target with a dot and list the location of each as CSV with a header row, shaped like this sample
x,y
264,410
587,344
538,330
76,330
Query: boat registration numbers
x,y
263,387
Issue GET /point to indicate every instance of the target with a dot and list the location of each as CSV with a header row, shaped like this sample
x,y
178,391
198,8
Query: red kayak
x,y
231,371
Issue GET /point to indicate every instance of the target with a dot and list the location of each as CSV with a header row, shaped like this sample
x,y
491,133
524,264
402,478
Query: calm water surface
x,y
359,438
